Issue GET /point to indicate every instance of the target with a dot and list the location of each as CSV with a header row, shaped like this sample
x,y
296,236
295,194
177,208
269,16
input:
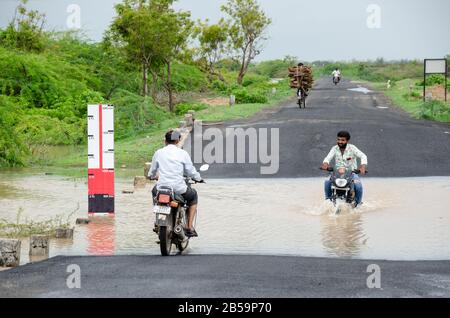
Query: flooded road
x,y
401,219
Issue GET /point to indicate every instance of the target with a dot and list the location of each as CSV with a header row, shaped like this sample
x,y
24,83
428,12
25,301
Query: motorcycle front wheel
x,y
165,241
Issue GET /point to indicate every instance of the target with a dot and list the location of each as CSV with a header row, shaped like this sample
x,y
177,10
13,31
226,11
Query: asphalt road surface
x,y
396,144
226,276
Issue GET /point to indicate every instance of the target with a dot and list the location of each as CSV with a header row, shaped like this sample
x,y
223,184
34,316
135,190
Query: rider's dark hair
x,y
344,134
172,137
300,64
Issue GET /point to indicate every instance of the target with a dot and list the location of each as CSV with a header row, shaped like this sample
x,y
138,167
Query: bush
x,y
435,110
412,95
219,86
243,96
134,114
12,148
188,78
432,80
183,108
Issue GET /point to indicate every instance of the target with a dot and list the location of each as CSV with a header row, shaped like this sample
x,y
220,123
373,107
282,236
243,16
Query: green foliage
x,y
12,149
248,22
435,110
435,79
273,69
153,35
21,229
378,71
244,96
252,79
25,31
213,44
412,96
134,114
183,108
188,78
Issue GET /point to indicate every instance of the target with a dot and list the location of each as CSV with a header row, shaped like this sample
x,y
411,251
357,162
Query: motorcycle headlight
x,y
341,183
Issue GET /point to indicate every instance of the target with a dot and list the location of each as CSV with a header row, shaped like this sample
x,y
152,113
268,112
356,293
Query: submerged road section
x,y
226,276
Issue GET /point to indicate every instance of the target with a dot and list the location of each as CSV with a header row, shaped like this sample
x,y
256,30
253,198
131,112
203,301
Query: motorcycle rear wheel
x,y
182,245
165,241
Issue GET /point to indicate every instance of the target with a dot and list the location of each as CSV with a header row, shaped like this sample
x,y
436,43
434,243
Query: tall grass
x,y
24,228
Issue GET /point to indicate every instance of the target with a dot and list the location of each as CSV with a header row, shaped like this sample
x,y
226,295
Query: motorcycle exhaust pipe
x,y
180,232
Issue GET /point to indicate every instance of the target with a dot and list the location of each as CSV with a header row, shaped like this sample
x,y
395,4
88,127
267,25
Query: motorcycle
x,y
301,98
342,187
336,79
171,217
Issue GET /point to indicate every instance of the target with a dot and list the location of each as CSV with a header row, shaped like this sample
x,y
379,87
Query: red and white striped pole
x,y
100,159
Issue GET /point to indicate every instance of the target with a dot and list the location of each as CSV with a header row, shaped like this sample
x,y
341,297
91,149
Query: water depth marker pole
x,y
100,159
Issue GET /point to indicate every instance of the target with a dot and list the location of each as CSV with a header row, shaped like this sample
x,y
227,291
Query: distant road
x,y
396,144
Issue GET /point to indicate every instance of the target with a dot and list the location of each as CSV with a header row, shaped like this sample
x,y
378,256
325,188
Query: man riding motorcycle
x,y
346,155
173,163
336,73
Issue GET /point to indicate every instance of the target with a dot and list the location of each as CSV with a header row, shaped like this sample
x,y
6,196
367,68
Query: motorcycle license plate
x,y
159,209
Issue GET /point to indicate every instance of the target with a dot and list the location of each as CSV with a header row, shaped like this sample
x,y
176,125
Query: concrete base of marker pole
x,y
9,252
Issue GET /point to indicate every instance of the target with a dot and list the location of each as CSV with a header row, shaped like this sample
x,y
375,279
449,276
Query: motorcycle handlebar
x,y
331,169
192,181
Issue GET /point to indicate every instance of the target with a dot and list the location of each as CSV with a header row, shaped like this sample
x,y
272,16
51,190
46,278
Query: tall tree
x,y
177,27
153,35
213,45
248,25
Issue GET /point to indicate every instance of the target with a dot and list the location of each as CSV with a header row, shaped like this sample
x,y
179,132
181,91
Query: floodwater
x,y
401,218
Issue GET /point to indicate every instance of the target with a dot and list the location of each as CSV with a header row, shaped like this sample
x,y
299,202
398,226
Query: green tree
x,y
213,46
248,25
177,28
12,149
153,35
26,30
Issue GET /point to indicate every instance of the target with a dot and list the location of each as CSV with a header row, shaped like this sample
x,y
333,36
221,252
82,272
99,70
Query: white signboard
x,y
435,66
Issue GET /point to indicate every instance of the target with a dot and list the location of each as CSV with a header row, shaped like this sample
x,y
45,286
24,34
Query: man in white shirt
x,y
172,164
337,73
346,155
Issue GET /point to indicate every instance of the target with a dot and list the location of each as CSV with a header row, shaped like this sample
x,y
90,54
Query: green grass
x,y
24,228
408,96
242,111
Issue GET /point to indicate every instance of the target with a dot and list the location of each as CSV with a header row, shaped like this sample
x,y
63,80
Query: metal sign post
x,y
435,66
101,159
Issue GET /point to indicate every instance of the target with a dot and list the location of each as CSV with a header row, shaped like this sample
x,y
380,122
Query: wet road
x,y
396,144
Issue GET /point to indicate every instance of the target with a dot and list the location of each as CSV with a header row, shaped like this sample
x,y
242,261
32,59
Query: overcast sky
x,y
308,29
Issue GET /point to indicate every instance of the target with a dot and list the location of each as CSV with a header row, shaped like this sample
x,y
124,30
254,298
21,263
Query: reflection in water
x,y
343,235
101,235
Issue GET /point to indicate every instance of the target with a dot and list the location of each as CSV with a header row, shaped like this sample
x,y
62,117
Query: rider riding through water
x,y
345,155
172,164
